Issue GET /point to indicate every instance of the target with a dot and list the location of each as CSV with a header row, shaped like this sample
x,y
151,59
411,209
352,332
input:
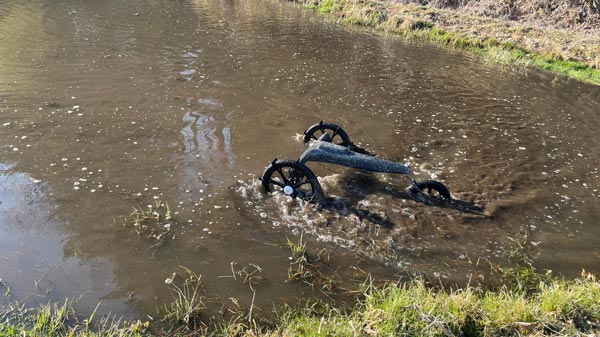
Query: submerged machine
x,y
329,143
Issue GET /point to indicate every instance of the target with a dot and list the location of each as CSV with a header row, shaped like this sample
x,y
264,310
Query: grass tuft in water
x,y
300,267
308,268
520,273
154,222
187,304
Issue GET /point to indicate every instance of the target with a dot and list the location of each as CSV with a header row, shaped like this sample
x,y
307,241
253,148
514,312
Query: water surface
x,y
110,105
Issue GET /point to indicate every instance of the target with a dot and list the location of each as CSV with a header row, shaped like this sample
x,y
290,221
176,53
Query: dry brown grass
x,y
560,36
575,14
558,29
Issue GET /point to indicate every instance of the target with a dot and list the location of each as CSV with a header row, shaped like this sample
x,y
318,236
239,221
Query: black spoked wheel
x,y
336,134
434,188
291,178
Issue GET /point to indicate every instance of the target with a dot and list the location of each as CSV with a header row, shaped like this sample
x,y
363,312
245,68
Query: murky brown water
x,y
188,101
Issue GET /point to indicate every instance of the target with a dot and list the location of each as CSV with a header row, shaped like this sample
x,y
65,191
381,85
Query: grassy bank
x,y
543,40
568,308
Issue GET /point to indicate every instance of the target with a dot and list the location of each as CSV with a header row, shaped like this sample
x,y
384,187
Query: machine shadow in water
x,y
357,185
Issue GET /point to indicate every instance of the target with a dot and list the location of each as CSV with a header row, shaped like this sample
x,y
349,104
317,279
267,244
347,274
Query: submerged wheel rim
x,y
291,181
333,133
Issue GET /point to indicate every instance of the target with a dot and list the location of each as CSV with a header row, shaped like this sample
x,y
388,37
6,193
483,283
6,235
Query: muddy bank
x,y
563,38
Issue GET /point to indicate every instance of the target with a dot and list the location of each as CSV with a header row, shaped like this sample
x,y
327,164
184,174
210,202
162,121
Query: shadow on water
x,y
356,185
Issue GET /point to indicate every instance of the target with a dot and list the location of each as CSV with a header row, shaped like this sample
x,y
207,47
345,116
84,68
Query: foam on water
x,y
375,222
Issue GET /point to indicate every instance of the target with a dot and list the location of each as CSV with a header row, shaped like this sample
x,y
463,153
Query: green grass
x,y
374,14
188,300
414,309
576,70
60,320
556,307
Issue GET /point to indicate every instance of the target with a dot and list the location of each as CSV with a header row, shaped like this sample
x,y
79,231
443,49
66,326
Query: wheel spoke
x,y
292,177
303,193
283,176
300,183
275,182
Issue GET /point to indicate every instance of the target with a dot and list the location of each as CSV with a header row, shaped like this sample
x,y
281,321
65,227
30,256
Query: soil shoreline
x,y
557,40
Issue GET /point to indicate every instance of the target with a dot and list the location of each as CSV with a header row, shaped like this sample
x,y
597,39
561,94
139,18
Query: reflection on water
x,y
107,105
33,262
200,140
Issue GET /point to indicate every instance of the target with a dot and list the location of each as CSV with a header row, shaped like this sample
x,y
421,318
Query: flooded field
x,y
107,107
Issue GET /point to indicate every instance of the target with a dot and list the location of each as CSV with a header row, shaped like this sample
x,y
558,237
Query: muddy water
x,y
110,105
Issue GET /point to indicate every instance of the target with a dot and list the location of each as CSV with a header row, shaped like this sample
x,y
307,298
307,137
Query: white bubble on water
x,y
188,72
